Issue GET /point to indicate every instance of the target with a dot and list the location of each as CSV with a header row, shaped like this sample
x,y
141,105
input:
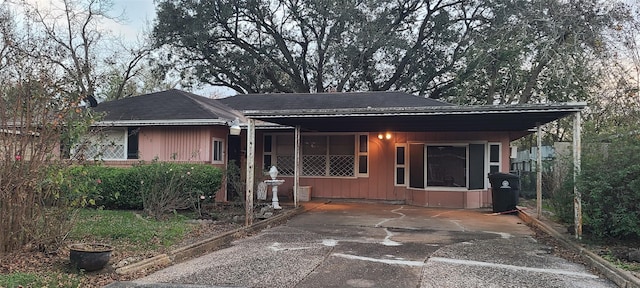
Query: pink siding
x,y
175,143
379,185
178,145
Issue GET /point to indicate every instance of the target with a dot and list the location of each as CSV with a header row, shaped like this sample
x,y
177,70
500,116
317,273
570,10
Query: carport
x,y
335,114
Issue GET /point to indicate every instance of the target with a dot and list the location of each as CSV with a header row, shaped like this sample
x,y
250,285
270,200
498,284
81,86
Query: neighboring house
x,y
525,160
389,146
19,142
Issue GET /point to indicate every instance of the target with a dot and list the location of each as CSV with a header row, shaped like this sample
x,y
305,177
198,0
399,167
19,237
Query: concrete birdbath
x,y
274,183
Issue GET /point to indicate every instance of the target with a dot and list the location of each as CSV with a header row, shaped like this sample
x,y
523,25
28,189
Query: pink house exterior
x,y
170,126
381,181
385,146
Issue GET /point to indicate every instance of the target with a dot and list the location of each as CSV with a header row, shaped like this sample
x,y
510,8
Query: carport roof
x,y
394,111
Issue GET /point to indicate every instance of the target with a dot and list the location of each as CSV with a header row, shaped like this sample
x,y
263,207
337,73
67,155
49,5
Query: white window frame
x,y
404,166
221,151
361,153
489,163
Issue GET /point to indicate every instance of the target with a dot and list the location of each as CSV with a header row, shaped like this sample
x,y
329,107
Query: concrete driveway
x,y
378,245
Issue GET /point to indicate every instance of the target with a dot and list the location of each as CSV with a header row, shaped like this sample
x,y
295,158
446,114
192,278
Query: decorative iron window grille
x,y
107,145
338,158
341,165
285,164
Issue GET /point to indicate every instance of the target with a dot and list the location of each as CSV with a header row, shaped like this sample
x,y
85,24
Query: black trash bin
x,y
504,191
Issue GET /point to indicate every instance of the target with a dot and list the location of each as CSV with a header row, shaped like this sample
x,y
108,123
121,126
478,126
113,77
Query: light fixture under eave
x,y
386,135
234,127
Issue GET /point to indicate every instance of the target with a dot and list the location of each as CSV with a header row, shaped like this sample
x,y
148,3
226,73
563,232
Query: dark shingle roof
x,y
166,105
299,101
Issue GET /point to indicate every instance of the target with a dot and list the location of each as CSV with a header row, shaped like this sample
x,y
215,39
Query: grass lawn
x,y
132,235
117,227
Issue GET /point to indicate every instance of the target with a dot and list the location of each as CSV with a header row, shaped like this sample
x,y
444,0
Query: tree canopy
x,y
462,51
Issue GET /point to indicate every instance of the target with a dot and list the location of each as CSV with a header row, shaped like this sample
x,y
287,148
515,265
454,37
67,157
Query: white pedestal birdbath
x,y
273,172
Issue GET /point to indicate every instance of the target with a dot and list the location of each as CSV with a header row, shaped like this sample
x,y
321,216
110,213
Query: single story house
x,y
389,146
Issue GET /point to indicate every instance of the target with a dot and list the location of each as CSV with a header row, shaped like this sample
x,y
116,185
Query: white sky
x,y
137,15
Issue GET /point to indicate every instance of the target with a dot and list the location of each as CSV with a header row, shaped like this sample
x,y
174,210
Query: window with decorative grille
x,y
108,144
322,155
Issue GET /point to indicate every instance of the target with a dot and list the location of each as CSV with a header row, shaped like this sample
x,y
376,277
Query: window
x,y
477,164
107,144
400,165
285,154
494,157
447,166
363,155
322,155
268,152
217,154
442,165
416,165
132,142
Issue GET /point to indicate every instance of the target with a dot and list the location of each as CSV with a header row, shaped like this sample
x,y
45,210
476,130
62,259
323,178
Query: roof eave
x,y
419,111
155,122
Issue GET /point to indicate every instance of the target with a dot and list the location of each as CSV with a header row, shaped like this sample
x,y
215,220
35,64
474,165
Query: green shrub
x,y
610,184
118,188
166,187
123,188
561,199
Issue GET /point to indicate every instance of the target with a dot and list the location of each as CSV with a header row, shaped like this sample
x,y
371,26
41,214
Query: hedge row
x,y
120,188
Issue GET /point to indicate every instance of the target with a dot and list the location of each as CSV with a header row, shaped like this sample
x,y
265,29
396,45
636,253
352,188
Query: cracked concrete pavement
x,y
342,244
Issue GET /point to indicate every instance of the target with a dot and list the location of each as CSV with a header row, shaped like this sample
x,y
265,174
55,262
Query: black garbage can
x,y
504,191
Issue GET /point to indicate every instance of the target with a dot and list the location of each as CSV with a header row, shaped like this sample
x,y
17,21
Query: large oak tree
x,y
458,50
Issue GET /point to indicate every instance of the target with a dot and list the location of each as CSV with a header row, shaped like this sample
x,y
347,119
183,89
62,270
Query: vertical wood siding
x,y
380,183
175,143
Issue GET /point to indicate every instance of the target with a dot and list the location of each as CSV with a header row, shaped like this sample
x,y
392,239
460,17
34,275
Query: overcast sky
x,y
136,14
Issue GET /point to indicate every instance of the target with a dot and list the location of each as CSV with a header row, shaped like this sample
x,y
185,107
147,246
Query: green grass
x,y
128,227
21,279
15,280
629,266
126,230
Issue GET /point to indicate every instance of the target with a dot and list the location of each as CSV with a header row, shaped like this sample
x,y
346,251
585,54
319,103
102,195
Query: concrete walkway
x,y
376,245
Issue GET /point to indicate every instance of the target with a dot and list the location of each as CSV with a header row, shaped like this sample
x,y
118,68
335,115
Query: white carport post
x,y
577,196
539,173
297,167
251,149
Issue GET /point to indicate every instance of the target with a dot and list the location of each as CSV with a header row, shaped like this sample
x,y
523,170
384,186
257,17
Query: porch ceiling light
x,y
386,136
234,127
